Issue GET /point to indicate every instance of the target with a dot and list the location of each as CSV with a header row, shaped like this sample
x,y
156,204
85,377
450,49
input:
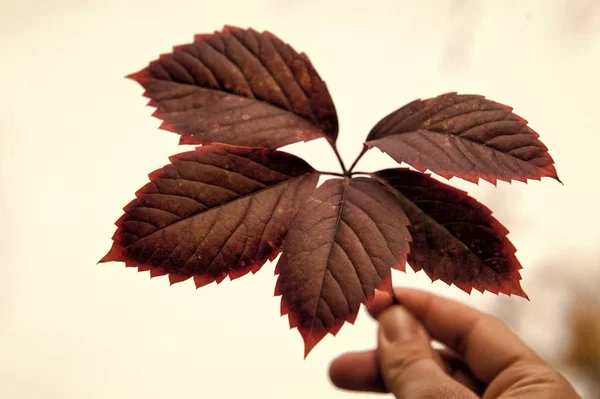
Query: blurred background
x,y
76,142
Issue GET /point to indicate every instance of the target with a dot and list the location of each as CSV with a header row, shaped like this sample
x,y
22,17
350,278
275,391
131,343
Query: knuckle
x,y
544,375
537,372
529,377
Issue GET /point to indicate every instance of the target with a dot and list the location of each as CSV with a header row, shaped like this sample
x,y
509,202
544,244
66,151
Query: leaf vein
x,y
224,54
335,229
369,256
385,239
240,223
353,268
266,69
341,289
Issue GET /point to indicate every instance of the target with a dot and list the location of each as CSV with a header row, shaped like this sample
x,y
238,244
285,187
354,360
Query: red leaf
x,y
466,136
215,211
340,247
239,87
455,238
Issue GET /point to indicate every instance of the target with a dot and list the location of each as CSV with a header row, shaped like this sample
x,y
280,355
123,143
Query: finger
x,y
484,342
357,371
407,361
380,302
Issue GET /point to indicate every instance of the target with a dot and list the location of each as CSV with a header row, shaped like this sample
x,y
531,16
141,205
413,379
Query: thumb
x,y
408,364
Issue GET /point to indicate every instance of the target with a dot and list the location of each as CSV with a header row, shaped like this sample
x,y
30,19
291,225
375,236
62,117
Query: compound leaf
x,y
454,238
239,87
341,246
466,136
213,212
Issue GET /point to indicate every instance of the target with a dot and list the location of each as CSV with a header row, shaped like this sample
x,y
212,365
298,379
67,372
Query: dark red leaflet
x,y
466,136
455,238
239,87
340,247
213,212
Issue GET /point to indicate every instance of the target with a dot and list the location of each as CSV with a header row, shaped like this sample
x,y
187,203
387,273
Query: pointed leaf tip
x,y
167,126
201,281
175,278
157,272
351,320
310,340
283,308
113,255
140,76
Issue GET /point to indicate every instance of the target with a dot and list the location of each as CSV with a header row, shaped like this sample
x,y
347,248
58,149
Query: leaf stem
x,y
331,173
339,158
357,159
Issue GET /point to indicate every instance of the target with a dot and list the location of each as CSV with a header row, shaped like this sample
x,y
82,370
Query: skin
x,y
482,357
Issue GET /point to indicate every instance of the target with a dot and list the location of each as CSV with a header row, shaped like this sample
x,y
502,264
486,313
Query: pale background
x,y
77,142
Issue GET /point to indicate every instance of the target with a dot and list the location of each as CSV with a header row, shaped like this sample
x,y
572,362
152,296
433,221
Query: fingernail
x,y
398,324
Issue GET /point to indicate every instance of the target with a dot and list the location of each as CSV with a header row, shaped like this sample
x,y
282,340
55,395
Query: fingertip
x,y
357,371
381,301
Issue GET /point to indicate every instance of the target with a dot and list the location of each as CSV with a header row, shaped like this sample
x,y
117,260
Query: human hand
x,y
483,358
